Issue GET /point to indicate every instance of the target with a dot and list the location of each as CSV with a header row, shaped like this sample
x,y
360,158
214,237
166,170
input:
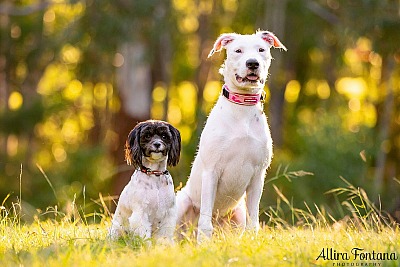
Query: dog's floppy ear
x,y
133,152
222,41
175,151
270,38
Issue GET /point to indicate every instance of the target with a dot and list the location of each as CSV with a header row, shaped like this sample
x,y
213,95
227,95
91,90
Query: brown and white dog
x,y
235,147
147,207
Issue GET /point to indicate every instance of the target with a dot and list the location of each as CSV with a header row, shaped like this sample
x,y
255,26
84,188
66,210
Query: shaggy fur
x,y
146,207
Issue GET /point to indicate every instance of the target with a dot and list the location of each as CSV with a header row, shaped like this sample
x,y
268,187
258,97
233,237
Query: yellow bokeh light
x,y
188,24
86,120
292,91
100,94
15,31
59,152
316,55
159,93
174,112
21,70
188,97
211,91
205,7
364,44
352,59
43,158
375,59
157,111
181,5
100,91
15,100
49,16
323,90
186,133
70,131
230,5
118,60
311,87
73,90
12,145
114,104
370,115
354,105
70,54
352,87
192,53
306,116
54,78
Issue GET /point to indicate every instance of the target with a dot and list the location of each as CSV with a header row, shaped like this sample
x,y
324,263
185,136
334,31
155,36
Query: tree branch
x,y
12,10
322,12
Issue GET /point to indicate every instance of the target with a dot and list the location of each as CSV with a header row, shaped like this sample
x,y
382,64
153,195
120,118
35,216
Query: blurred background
x,y
76,76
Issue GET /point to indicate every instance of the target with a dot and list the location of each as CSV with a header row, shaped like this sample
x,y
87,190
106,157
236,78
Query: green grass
x,y
294,239
68,244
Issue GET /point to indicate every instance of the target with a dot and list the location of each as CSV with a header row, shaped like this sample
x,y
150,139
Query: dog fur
x,y
147,207
235,148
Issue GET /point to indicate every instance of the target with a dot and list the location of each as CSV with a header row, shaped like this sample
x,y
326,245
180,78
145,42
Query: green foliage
x,y
22,120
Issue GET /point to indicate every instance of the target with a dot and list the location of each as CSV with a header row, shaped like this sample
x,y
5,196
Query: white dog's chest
x,y
238,134
240,143
153,194
161,193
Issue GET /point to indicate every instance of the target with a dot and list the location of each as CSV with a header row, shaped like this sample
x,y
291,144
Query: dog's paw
x,y
114,233
203,235
165,241
204,232
253,227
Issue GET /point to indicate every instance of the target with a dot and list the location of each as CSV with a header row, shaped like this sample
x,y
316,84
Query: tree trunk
x,y
384,125
274,21
202,71
134,84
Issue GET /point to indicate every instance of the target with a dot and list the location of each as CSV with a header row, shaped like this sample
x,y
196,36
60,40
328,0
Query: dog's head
x,y
154,140
248,57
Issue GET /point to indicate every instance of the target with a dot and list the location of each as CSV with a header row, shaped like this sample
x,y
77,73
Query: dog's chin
x,y
156,156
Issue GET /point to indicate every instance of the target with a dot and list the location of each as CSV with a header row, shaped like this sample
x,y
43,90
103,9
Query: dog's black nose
x,y
157,144
252,64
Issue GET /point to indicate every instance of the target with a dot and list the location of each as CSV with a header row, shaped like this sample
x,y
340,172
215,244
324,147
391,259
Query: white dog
x,y
235,147
147,207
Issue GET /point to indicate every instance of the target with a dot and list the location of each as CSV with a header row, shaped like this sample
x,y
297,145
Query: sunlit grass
x,y
67,244
69,240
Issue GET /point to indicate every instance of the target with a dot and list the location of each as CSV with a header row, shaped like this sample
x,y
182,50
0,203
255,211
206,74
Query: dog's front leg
x,y
139,224
253,196
208,191
166,230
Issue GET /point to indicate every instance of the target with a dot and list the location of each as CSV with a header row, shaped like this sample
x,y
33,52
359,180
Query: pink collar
x,y
242,99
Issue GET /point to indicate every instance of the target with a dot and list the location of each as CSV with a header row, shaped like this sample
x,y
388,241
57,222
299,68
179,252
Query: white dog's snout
x,y
252,64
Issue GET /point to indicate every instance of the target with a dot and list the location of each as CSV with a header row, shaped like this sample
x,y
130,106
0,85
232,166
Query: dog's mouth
x,y
156,155
157,150
251,77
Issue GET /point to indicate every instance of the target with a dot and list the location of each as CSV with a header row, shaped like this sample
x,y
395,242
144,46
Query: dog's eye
x,y
147,136
164,136
239,51
261,50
